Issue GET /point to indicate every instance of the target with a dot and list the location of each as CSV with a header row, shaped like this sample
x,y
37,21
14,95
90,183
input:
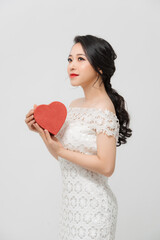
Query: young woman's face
x,y
79,64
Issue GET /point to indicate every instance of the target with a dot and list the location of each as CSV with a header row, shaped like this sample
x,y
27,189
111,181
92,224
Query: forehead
x,y
77,49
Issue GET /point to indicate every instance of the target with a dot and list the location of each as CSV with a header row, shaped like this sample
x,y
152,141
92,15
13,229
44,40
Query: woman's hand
x,y
51,142
30,119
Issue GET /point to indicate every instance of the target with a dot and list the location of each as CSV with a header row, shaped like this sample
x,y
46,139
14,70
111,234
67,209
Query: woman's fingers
x,y
29,113
39,129
31,122
28,119
41,132
48,136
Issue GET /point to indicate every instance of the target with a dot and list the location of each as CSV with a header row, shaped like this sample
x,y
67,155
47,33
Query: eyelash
x,y
71,59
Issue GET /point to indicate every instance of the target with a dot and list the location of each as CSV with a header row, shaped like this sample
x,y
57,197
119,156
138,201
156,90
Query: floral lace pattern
x,y
89,207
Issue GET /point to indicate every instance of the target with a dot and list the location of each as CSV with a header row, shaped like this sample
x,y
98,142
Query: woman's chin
x,y
74,83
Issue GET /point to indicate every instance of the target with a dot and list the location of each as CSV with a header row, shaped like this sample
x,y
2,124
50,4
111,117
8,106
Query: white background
x,y
35,40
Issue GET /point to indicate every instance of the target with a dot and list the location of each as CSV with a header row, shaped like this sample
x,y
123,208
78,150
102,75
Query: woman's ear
x,y
100,70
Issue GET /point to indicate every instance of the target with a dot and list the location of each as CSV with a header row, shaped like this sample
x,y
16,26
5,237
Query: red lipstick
x,y
73,75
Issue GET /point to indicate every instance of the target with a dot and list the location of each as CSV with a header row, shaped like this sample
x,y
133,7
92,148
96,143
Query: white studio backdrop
x,y
35,39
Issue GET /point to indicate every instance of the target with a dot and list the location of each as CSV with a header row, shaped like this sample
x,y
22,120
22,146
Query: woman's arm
x,y
102,163
90,162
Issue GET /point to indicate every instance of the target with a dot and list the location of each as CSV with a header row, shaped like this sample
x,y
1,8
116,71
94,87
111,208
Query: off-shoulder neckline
x,y
92,108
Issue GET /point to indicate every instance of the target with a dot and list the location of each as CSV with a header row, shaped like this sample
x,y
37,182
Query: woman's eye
x,y
81,58
71,59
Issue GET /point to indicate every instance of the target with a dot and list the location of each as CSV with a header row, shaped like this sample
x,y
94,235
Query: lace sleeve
x,y
107,122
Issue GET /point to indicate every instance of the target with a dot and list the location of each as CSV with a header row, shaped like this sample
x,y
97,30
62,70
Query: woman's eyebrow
x,y
78,54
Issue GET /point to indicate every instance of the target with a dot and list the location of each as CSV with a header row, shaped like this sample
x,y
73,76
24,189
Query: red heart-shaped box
x,y
51,116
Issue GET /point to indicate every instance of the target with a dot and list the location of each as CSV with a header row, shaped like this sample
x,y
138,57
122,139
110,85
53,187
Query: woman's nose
x,y
72,68
72,64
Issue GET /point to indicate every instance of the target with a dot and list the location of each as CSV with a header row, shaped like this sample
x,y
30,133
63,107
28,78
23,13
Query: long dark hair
x,y
101,56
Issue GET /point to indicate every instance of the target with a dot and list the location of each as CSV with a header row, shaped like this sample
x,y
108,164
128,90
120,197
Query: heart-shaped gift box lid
x,y
51,116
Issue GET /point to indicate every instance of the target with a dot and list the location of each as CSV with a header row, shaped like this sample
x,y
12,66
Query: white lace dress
x,y
88,208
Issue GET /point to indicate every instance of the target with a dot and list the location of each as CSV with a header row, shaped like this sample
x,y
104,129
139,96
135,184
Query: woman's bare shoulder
x,y
76,102
102,104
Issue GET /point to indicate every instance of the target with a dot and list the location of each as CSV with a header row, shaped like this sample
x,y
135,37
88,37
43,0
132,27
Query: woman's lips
x,y
73,75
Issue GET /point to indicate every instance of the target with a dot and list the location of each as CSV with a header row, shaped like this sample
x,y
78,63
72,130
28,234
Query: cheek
x,y
87,70
84,68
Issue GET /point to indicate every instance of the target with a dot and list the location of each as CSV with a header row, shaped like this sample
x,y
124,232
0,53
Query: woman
x,y
86,144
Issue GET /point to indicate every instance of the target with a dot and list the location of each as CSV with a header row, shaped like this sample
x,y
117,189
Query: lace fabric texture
x,y
89,208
